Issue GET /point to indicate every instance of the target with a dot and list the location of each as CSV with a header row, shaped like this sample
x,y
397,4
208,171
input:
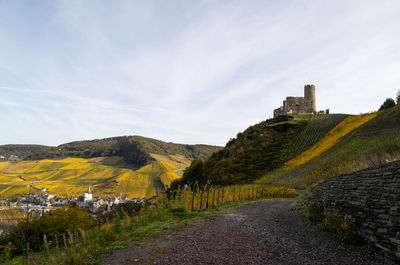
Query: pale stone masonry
x,y
299,105
372,198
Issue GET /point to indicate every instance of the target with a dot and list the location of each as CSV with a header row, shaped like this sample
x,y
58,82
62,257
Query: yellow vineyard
x,y
71,176
332,138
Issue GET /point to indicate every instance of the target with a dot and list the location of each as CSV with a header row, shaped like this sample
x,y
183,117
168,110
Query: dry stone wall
x,y
371,197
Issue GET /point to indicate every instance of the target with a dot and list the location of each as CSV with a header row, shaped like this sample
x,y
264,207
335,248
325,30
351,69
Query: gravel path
x,y
262,233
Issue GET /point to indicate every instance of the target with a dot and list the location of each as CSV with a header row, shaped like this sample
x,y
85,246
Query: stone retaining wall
x,y
371,197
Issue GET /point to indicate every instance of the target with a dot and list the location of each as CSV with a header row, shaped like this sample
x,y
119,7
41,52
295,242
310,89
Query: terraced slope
x,y
71,176
358,142
266,146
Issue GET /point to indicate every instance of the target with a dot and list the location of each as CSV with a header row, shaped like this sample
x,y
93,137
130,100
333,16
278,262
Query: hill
x,y
128,166
373,142
135,150
301,150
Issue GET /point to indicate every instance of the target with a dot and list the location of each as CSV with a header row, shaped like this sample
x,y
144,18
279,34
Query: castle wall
x,y
299,105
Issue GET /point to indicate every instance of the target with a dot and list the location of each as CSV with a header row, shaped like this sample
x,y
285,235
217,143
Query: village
x,y
39,204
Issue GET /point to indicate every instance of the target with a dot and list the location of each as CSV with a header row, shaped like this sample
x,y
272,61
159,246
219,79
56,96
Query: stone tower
x,y
309,96
299,105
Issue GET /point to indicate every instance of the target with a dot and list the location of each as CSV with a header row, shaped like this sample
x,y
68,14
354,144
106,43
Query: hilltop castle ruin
x,y
299,105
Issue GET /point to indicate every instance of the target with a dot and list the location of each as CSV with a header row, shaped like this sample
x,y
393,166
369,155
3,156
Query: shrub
x,y
57,221
389,103
343,226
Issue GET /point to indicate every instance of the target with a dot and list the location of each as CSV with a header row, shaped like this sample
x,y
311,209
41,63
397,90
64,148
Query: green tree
x,y
398,97
389,103
194,173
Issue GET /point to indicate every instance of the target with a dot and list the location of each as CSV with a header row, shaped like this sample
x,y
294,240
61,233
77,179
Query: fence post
x,y
234,193
227,195
184,197
201,199
213,201
193,194
218,189
58,248
45,243
27,253
65,241
222,197
240,189
208,194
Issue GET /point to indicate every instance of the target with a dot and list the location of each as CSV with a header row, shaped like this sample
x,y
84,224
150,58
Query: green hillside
x,y
264,147
299,151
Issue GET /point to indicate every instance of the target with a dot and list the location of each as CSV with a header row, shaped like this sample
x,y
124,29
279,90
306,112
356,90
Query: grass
x,y
71,177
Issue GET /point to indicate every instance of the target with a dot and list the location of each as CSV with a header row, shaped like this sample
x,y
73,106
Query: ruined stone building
x,y
299,105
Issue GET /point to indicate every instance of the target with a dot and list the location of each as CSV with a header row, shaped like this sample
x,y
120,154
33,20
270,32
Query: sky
x,y
186,71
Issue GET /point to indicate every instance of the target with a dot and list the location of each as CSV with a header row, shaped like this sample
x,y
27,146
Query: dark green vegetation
x,y
56,222
260,149
135,149
345,229
389,103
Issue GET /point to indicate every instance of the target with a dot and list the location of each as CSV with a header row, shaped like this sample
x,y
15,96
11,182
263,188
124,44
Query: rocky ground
x,y
259,233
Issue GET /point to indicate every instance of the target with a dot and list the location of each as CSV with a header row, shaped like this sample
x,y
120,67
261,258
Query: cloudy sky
x,y
186,71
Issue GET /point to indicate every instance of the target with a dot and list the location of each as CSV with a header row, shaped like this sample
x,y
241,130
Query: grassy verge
x,y
110,237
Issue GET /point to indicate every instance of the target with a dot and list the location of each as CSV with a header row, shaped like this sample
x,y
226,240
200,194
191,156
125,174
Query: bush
x,y
389,103
65,220
344,227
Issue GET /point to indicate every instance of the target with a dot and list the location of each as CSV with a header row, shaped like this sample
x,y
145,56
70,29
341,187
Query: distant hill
x,y
134,149
301,150
120,166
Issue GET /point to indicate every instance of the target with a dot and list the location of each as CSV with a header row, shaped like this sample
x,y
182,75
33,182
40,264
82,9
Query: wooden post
x,y
65,241
184,197
27,253
193,194
218,195
227,194
45,243
208,194
222,197
240,189
201,199
234,193
213,197
58,248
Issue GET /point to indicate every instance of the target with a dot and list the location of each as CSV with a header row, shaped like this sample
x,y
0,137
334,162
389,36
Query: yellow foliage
x,y
332,138
71,177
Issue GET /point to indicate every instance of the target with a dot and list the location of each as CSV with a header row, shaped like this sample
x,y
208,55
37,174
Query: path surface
x,y
259,233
